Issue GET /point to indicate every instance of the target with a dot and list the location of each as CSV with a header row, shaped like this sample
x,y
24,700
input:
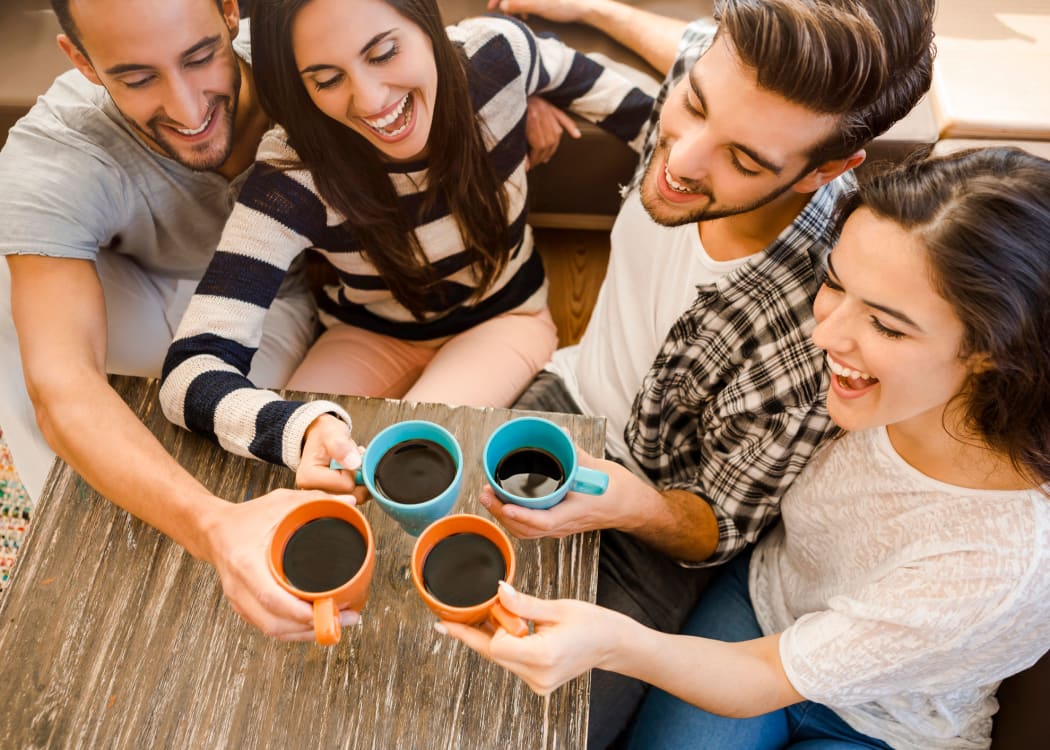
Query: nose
x,y
185,103
369,96
833,331
690,156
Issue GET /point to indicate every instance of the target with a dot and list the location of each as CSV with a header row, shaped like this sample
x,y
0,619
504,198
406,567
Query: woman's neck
x,y
933,444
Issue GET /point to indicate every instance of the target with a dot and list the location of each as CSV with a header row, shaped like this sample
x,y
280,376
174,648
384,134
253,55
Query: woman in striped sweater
x,y
401,160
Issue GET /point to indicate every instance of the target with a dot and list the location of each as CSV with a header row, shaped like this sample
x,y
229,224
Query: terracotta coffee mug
x,y
467,568
323,552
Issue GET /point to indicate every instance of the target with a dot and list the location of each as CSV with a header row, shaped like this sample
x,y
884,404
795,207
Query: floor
x,y
575,261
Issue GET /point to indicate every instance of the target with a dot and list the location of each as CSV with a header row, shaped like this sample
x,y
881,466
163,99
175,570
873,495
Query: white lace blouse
x,y
903,601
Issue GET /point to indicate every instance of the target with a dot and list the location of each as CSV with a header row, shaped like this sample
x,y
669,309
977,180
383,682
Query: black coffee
x,y
414,471
323,554
463,570
530,472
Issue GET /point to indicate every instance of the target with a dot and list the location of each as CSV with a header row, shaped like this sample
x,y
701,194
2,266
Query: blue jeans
x,y
725,613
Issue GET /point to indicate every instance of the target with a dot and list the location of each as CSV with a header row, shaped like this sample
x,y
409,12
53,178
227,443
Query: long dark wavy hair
x,y
349,172
983,216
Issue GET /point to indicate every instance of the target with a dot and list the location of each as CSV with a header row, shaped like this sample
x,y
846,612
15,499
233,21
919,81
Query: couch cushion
x,y
992,71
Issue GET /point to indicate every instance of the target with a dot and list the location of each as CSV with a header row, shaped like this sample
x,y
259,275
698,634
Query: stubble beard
x,y
211,154
661,212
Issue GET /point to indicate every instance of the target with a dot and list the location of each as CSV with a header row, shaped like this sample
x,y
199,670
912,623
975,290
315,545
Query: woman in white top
x,y
912,570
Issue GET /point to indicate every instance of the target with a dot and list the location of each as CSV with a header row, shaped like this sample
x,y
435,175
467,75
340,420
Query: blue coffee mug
x,y
413,517
535,432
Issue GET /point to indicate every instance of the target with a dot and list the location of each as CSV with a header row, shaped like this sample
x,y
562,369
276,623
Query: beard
x,y
669,215
212,153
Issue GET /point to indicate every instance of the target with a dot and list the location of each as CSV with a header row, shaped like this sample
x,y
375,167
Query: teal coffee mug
x,y
414,471
531,462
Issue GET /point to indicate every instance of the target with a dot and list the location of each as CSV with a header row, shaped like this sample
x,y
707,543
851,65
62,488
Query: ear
x,y
980,362
78,58
828,171
231,14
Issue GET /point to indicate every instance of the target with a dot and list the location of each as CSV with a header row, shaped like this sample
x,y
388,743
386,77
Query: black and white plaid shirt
x,y
733,406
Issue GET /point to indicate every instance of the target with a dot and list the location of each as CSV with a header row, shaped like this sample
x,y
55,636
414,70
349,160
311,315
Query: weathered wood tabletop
x,y
112,636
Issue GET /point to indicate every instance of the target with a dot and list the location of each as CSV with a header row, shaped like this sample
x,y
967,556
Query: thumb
x,y
525,606
345,452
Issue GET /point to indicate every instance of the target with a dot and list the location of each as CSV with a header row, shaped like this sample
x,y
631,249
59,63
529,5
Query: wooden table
x,y
112,636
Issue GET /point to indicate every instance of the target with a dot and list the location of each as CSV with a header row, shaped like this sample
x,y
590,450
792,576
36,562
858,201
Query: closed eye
x,y
385,56
139,83
200,62
327,83
890,333
739,167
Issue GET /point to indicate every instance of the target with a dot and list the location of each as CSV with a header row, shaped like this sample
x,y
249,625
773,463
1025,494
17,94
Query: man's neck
x,y
746,234
248,127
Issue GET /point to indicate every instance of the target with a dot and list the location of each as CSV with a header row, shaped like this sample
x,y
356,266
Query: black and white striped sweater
x,y
279,214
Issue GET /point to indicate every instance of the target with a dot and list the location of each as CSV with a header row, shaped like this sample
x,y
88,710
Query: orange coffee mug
x,y
456,563
323,552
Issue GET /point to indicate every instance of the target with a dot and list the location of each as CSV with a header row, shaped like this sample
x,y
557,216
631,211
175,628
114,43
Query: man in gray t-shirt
x,y
115,189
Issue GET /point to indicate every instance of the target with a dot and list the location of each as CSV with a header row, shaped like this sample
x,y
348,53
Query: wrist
x,y
203,541
643,504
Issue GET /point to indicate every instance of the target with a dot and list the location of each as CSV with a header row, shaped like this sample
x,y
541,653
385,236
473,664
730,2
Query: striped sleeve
x,y
205,385
563,76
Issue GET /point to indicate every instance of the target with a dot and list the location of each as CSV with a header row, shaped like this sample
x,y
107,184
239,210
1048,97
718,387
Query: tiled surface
x,y
15,509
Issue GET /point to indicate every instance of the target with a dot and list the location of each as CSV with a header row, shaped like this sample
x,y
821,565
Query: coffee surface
x,y
323,554
530,472
463,570
414,471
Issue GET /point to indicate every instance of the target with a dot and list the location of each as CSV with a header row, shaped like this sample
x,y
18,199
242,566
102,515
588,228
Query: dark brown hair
x,y
983,216
350,174
869,61
69,26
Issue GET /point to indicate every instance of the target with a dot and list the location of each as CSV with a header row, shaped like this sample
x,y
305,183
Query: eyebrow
x,y
888,310
769,164
207,41
364,50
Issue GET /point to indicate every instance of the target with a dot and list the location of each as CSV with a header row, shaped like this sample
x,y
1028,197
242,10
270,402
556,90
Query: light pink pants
x,y
487,365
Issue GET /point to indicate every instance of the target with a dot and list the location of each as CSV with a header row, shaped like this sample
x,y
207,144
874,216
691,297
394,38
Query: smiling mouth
x,y
202,128
674,184
850,379
395,123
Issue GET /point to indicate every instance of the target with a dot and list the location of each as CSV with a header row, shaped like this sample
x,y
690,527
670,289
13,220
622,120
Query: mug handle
x,y
590,481
359,478
501,618
326,621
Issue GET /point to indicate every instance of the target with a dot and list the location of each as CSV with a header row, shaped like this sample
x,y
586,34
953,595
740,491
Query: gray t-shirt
x,y
75,180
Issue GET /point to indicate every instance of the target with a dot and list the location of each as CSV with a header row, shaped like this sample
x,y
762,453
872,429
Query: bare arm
x,y
653,37
730,679
86,422
83,419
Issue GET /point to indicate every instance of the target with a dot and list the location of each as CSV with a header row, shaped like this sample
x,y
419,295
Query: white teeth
x,y
676,186
201,129
382,122
846,372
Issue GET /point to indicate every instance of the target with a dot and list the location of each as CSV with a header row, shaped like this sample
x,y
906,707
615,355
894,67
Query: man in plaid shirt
x,y
698,351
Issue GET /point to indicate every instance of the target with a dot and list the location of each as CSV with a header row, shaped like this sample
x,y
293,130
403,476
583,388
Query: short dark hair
x,y
869,61
983,216
69,26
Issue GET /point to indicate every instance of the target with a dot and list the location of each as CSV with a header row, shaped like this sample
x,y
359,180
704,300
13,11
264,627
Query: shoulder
x,y
74,117
67,168
489,40
694,42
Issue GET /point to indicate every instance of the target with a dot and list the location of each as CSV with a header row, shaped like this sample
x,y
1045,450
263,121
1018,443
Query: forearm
x,y
653,37
729,679
678,523
95,432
